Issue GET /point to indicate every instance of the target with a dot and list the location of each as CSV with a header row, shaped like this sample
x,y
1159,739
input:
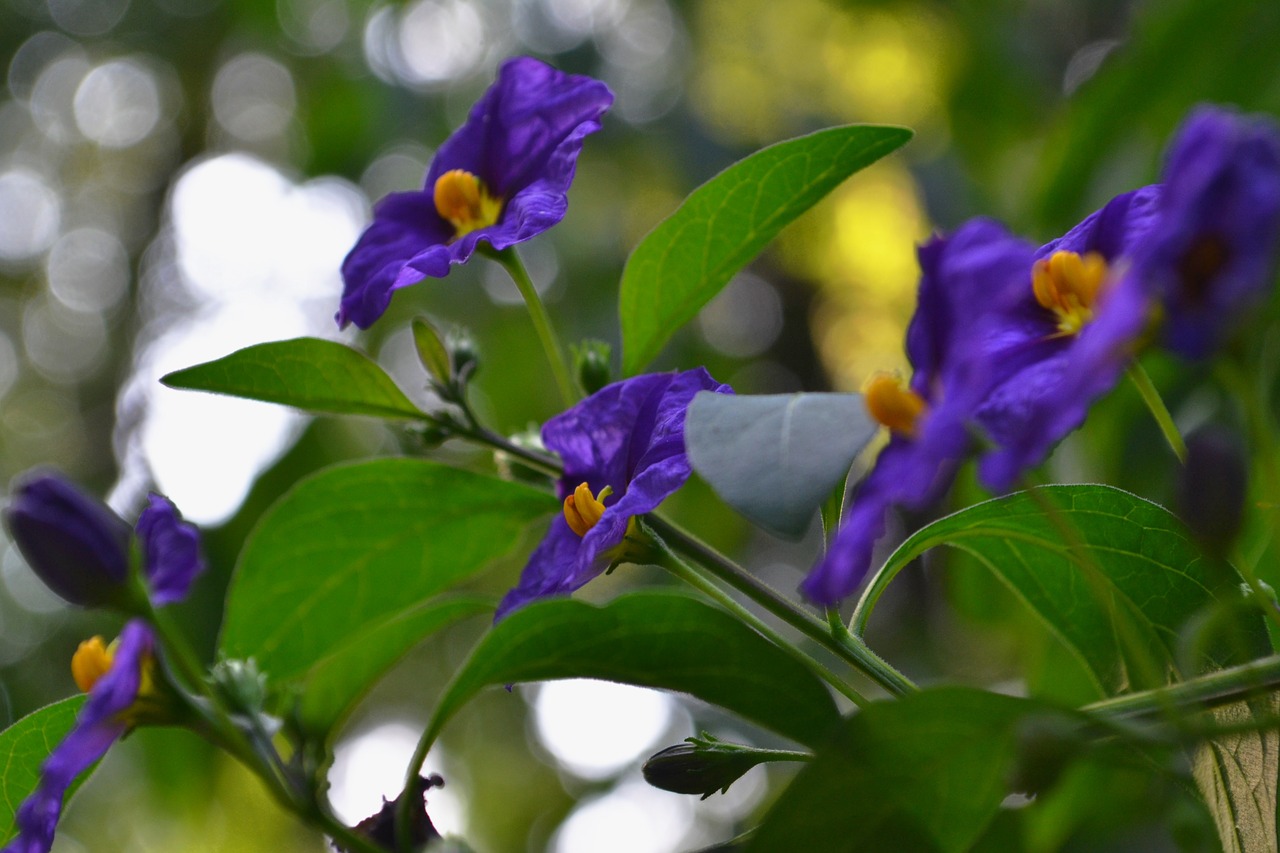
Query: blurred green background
x,y
179,178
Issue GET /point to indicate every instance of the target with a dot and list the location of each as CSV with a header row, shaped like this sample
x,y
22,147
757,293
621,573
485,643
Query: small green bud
x,y
464,355
242,684
592,363
431,351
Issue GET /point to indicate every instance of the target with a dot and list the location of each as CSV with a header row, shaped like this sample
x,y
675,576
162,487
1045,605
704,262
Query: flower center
x,y
91,661
1068,285
893,404
583,510
464,200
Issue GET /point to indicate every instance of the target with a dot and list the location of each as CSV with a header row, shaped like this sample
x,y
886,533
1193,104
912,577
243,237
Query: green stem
x,y
1204,691
1155,404
541,323
843,644
682,570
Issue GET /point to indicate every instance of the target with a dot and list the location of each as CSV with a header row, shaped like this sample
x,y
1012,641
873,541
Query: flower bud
x,y
71,540
592,363
1212,488
463,353
701,766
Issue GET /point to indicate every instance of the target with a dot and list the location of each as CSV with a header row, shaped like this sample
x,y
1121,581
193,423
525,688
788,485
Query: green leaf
x,y
1112,575
23,748
654,639
685,261
308,373
775,458
363,545
1236,774
926,772
333,686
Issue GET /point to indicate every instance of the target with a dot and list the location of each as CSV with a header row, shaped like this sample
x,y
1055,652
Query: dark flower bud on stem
x,y
381,827
1212,488
71,540
703,765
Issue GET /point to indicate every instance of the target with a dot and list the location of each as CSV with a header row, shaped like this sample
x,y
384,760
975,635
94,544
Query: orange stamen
x,y
462,199
893,404
583,510
1068,284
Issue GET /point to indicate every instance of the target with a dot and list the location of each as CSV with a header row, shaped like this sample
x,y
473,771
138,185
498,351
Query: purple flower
x,y
503,178
80,548
1197,252
1212,257
623,453
961,340
102,720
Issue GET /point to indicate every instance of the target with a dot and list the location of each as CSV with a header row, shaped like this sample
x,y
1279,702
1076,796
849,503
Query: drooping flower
x,y
502,178
80,548
92,564
959,343
119,683
623,453
1212,257
1189,257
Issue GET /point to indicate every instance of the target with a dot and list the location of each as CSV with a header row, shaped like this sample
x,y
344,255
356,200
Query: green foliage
x,y
924,773
23,748
775,458
654,639
345,566
308,373
685,261
1116,577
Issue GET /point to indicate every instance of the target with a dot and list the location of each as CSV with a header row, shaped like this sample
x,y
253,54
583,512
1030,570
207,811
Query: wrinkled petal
x,y
628,436
170,551
97,727
71,540
522,139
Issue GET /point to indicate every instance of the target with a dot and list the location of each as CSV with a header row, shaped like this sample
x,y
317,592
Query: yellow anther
x,y
583,510
465,202
1068,285
892,403
91,661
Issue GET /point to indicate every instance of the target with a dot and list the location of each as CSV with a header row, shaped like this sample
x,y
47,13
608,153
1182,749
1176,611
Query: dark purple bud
x,y
1213,486
171,556
74,542
380,828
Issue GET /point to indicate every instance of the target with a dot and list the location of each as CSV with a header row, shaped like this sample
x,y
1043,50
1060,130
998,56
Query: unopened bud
x,y
592,363
463,354
242,684
704,765
1212,488
71,540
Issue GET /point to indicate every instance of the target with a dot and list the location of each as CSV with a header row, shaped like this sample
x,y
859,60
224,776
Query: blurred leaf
x,y
1236,774
923,773
685,261
1114,576
23,748
654,639
363,545
775,458
333,686
308,373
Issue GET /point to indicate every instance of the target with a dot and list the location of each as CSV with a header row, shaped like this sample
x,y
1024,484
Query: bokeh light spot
x,y
596,728
117,104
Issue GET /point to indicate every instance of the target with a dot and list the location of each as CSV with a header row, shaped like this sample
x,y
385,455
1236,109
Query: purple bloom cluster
x,y
502,178
625,444
80,548
1015,343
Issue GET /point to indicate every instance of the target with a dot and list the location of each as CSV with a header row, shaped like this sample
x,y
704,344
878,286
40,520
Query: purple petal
x,y
170,551
73,541
550,570
97,727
